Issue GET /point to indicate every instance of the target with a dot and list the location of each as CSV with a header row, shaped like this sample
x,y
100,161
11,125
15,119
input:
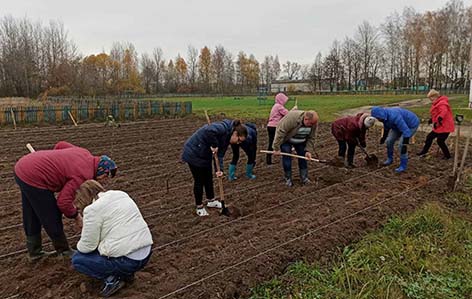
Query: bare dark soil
x,y
214,257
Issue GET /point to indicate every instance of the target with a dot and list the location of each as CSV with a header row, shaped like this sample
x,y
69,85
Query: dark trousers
x,y
203,178
250,152
40,210
287,161
271,132
441,140
351,150
100,267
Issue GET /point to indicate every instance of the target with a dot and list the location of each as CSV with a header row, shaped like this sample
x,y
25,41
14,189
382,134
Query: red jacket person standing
x,y
442,121
39,175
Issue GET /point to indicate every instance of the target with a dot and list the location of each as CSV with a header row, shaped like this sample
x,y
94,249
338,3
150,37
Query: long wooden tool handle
x,y
294,156
363,149
220,179
30,148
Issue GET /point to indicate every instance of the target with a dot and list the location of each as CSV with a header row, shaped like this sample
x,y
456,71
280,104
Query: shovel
x,y
297,156
371,160
224,210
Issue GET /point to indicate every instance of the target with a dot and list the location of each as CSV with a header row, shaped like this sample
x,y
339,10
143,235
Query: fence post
x,y
13,117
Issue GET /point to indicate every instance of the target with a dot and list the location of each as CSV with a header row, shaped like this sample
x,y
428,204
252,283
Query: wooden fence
x,y
88,111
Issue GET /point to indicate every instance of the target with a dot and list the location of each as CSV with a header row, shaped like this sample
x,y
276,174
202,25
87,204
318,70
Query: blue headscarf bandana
x,y
105,165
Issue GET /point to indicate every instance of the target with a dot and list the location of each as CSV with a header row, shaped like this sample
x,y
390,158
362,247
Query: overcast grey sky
x,y
295,30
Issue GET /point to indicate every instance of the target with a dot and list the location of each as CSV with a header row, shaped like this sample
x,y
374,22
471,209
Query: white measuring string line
x,y
150,204
294,239
136,180
255,213
187,205
155,215
204,231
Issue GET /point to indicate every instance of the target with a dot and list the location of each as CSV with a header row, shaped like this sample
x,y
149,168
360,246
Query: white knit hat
x,y
369,121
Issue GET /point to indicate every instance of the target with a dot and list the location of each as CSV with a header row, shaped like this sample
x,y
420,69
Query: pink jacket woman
x,y
276,114
278,110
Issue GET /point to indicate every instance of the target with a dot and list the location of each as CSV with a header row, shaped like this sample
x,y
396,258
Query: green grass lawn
x,y
459,105
326,106
422,256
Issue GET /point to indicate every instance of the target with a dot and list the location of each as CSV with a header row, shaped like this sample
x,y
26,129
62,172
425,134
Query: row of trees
x,y
408,50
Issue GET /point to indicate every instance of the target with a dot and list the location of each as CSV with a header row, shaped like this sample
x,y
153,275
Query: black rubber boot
x,y
269,159
62,247
34,247
350,162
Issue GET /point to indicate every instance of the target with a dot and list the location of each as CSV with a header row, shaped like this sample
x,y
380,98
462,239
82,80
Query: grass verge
x,y
251,108
424,255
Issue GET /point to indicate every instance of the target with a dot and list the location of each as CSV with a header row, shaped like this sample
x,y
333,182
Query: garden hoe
x,y
224,210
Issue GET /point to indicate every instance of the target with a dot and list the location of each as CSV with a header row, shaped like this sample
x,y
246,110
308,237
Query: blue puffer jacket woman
x,y
249,146
399,124
198,153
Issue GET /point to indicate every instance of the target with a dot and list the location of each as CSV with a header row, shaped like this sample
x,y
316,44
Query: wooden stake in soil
x,y
456,149
30,148
207,117
13,117
72,118
461,169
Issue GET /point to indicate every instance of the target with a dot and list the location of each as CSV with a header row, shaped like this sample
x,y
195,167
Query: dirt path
x,y
403,104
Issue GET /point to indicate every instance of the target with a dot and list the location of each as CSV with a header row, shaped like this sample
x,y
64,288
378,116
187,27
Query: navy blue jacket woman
x,y
198,153
249,146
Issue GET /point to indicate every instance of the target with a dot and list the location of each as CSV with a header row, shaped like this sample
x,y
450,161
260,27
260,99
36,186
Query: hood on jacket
x,y
250,125
379,113
281,99
228,124
441,100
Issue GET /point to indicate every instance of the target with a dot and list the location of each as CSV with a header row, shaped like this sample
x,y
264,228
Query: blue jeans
x,y
97,266
287,161
395,135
